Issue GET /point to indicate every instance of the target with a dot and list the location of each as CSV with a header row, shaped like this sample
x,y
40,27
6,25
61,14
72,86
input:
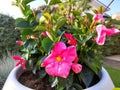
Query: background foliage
x,y
112,45
8,35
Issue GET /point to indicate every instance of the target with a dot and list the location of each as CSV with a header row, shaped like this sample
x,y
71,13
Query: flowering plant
x,y
62,41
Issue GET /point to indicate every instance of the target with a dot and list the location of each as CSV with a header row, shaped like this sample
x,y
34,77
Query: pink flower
x,y
20,42
59,62
71,39
20,60
102,32
98,17
47,34
44,34
76,67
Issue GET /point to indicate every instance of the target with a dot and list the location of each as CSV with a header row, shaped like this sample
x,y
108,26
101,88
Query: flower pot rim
x,y
17,71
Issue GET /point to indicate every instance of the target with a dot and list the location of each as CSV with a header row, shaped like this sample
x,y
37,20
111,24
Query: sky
x,y
8,9
114,7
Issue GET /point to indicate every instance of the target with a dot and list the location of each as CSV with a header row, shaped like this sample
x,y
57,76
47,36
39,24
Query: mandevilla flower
x,y
20,42
98,17
102,32
60,61
20,60
71,39
76,67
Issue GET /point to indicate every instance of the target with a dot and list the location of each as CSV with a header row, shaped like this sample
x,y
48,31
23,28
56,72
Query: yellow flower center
x,y
58,58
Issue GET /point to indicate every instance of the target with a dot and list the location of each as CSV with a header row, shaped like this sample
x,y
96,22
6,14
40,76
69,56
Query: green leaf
x,y
55,82
100,9
40,28
25,2
26,32
86,76
89,17
75,86
41,58
61,21
30,44
96,65
54,2
47,15
47,44
46,1
22,24
76,13
61,84
69,81
27,12
60,88
38,63
89,36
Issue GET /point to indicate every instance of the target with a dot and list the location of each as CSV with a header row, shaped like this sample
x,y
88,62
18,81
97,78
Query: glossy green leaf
x,y
40,28
30,44
22,24
86,76
26,32
75,86
47,15
60,88
27,12
60,22
40,59
88,37
25,2
47,44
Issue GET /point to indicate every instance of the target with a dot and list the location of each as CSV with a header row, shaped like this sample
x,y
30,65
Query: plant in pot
x,y
61,46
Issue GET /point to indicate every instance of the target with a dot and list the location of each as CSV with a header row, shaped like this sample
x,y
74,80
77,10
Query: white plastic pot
x,y
12,81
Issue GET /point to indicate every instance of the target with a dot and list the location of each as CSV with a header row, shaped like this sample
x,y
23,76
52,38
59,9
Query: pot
x,y
12,83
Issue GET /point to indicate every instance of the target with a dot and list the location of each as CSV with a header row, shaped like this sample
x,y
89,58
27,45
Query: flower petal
x,y
71,39
52,69
112,31
59,46
69,54
58,69
48,60
24,65
76,67
100,40
98,17
20,42
21,61
18,63
101,34
16,57
64,69
44,34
